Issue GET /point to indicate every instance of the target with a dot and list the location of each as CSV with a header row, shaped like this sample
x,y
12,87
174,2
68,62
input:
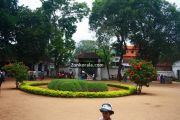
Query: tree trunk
x,y
108,71
17,84
122,45
106,62
56,64
57,68
139,89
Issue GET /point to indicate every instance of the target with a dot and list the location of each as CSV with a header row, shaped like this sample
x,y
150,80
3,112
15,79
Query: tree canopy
x,y
151,25
86,46
8,19
30,35
154,28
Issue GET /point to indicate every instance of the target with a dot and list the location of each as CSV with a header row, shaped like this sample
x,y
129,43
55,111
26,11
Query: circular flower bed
x,y
33,87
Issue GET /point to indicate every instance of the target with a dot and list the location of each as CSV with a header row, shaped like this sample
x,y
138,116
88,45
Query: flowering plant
x,y
141,73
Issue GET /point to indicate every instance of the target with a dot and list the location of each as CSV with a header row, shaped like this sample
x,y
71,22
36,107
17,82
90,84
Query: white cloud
x,y
83,32
177,2
33,4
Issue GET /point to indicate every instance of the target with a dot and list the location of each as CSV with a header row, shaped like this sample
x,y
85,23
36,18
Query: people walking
x,y
162,81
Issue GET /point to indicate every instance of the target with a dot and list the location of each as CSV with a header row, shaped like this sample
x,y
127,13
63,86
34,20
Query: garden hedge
x,y
77,86
33,87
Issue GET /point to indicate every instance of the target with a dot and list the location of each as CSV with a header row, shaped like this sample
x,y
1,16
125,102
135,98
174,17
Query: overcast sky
x,y
83,32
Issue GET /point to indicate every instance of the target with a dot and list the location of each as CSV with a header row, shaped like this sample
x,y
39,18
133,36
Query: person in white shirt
x,y
106,110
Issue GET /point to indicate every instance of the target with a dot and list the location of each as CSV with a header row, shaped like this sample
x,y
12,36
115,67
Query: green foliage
x,y
154,28
53,84
104,51
96,87
141,73
152,25
63,26
8,20
86,46
70,86
112,18
32,87
18,70
76,86
33,35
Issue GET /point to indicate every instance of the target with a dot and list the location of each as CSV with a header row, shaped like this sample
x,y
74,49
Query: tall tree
x,y
8,19
171,53
61,50
104,50
153,28
63,16
32,35
112,17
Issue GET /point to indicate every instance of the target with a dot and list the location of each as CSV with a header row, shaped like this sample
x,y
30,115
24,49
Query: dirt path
x,y
159,102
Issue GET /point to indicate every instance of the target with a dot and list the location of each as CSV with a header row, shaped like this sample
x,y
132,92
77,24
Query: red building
x,y
131,53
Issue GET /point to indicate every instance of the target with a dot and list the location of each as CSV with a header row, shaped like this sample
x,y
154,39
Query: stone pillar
x,y
43,67
76,70
98,77
36,70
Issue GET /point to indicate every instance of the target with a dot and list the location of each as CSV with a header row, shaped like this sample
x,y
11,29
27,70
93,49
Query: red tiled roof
x,y
163,65
132,52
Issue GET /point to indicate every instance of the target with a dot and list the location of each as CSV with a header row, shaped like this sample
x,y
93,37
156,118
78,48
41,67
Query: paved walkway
x,y
159,102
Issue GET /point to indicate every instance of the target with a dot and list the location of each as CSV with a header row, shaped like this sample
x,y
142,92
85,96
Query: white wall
x,y
166,73
175,67
112,71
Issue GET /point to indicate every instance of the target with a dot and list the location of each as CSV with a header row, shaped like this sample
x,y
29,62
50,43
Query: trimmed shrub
x,y
83,85
53,84
32,87
77,86
68,85
96,87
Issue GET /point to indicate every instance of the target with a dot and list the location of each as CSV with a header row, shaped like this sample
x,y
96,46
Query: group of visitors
x,y
161,78
86,76
63,74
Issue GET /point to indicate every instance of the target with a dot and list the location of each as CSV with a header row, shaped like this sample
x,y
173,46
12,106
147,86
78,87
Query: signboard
x,y
51,66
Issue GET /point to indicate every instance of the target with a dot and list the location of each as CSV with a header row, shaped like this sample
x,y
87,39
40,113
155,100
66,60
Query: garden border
x,y
31,87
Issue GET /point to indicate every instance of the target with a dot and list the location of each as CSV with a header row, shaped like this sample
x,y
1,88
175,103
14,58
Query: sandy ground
x,y
158,102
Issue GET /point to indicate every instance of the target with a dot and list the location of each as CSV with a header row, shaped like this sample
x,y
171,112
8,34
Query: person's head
x,y
106,110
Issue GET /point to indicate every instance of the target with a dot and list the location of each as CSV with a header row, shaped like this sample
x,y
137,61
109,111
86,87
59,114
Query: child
x,y
106,111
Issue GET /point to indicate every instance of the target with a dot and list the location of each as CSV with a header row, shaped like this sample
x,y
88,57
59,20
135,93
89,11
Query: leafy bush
x,y
32,87
77,86
141,73
53,84
96,87
17,70
70,86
